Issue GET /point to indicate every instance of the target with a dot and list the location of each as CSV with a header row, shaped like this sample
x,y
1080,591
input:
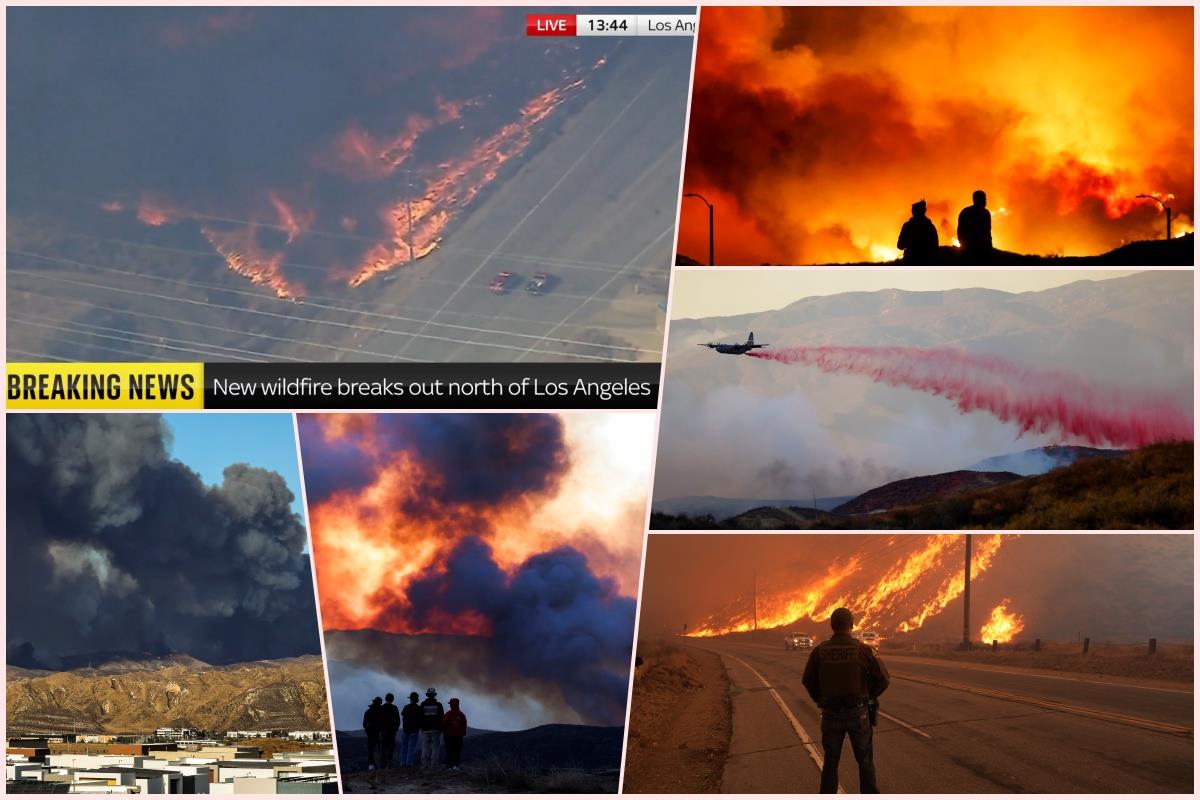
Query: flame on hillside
x,y
899,597
1003,625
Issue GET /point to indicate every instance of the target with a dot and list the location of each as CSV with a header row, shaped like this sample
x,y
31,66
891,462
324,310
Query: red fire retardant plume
x,y
1038,401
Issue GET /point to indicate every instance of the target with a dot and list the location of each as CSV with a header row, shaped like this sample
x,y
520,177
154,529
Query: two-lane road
x,y
952,728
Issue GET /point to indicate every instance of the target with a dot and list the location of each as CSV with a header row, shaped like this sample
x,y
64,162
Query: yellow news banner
x,y
104,386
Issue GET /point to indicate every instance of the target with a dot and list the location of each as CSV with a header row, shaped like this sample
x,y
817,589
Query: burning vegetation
x,y
896,596
813,130
1003,625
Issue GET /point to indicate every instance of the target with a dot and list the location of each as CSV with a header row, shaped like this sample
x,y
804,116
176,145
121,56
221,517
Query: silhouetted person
x,y
975,229
389,723
431,728
371,724
842,676
454,730
918,237
410,737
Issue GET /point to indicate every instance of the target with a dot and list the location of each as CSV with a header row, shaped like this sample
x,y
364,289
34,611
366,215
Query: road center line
x,y
905,725
1083,711
805,739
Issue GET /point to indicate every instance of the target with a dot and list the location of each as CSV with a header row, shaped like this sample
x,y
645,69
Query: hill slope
x,y
281,694
1151,488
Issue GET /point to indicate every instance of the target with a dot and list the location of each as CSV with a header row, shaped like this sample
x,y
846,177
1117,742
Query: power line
x,y
328,307
40,276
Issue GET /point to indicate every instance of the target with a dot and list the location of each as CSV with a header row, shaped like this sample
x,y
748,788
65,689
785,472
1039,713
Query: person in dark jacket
x,y
843,676
454,730
410,736
371,724
389,723
918,237
975,230
431,728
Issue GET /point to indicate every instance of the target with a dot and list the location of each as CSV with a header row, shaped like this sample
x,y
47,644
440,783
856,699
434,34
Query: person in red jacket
x,y
454,730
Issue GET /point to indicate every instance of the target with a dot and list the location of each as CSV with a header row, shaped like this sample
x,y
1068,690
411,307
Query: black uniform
x,y
389,723
371,723
842,676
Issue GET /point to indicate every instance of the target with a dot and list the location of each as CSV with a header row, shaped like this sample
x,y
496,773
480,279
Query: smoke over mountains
x,y
116,548
445,529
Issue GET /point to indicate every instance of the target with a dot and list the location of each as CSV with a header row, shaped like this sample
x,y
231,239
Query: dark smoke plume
x,y
552,622
115,548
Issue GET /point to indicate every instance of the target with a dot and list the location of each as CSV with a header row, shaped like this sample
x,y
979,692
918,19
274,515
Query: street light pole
x,y
1164,207
712,261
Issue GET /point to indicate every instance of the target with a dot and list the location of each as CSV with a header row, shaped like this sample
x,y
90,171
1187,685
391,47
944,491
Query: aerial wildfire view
x,y
997,663
161,628
451,190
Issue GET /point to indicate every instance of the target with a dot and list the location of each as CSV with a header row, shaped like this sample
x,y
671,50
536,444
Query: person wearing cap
x,y
918,238
843,676
432,713
454,730
371,726
410,733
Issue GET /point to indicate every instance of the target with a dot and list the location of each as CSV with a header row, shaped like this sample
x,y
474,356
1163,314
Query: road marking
x,y
1109,716
797,728
982,668
513,230
904,724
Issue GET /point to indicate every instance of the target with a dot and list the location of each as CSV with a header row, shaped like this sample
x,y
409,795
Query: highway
x,y
955,729
592,205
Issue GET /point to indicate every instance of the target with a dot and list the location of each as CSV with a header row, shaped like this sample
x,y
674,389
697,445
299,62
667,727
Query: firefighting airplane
x,y
734,349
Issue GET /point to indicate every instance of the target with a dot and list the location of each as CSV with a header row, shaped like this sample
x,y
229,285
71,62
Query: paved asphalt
x,y
592,204
955,729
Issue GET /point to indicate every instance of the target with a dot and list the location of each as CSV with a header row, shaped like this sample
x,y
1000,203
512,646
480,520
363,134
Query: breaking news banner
x,y
303,387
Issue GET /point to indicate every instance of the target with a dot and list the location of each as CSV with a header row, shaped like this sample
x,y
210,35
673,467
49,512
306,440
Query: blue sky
x,y
210,442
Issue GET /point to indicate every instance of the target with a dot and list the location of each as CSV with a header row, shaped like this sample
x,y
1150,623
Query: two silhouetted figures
x,y
919,237
424,727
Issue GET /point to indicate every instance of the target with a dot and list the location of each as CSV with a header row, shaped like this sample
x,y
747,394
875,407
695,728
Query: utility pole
x,y
755,599
411,243
966,642
712,261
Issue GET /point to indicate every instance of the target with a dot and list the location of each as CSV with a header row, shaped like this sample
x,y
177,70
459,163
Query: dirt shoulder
x,y
680,723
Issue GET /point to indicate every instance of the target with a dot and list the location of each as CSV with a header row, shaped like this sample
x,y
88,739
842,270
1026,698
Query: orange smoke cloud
x,y
818,127
896,597
389,504
292,221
